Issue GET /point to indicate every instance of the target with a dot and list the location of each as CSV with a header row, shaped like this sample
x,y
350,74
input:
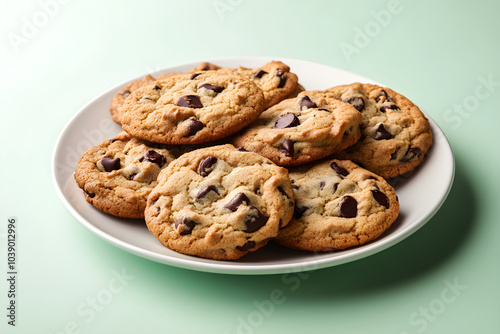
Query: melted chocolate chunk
x,y
282,191
254,223
339,170
299,211
380,95
248,245
394,155
239,199
287,120
381,133
110,164
348,207
287,147
381,198
411,153
194,126
194,75
205,166
186,225
91,195
216,89
391,106
206,190
125,93
357,102
280,74
154,157
259,74
306,103
190,101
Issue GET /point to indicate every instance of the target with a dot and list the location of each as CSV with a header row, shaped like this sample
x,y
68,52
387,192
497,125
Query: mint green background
x,y
435,52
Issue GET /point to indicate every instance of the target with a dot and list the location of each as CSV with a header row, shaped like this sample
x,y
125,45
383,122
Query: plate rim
x,y
229,267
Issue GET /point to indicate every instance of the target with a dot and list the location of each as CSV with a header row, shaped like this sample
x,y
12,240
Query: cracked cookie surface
x,y
302,129
338,205
117,175
219,203
192,108
396,135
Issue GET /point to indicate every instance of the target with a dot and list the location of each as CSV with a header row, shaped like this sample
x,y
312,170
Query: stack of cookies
x,y
220,161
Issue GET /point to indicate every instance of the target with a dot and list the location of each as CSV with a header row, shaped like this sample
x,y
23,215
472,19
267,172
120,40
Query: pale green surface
x,y
432,51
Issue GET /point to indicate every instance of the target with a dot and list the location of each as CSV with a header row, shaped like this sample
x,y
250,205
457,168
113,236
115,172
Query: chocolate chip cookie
x,y
219,203
117,175
124,92
338,205
395,133
300,130
192,108
274,78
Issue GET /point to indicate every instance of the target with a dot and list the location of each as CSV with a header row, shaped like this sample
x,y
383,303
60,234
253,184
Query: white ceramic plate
x,y
420,192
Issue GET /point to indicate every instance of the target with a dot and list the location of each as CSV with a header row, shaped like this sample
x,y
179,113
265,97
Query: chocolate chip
x,y
335,186
248,245
348,207
295,187
382,93
131,177
282,191
216,89
154,157
205,166
259,74
306,103
280,74
299,211
322,185
241,149
186,225
206,67
339,170
110,164
156,87
411,153
381,198
194,75
194,126
145,99
254,223
394,155
125,93
287,147
91,195
391,106
190,101
206,190
381,133
113,140
287,120
239,199
153,202
357,102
